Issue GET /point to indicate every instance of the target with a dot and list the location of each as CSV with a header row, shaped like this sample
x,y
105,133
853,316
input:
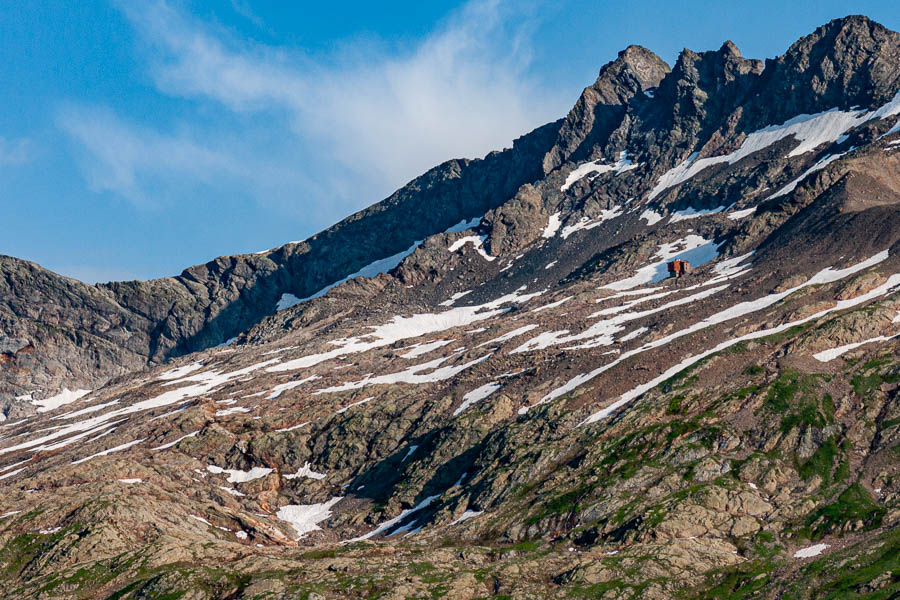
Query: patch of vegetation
x,y
779,338
820,463
854,505
853,576
526,546
676,406
743,581
597,590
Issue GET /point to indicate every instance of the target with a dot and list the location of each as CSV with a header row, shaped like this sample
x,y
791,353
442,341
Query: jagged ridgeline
x,y
647,352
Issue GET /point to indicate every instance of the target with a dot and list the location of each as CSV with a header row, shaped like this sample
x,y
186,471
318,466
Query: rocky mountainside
x,y
514,399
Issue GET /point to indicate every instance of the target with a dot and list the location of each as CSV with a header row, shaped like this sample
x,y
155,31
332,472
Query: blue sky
x,y
139,138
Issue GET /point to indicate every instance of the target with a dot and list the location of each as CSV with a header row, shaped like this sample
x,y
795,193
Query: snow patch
x,y
170,444
476,395
552,226
692,248
477,241
693,213
61,399
829,355
652,217
585,223
417,350
621,166
811,131
810,551
283,387
306,471
119,448
469,514
740,214
304,518
239,476
390,523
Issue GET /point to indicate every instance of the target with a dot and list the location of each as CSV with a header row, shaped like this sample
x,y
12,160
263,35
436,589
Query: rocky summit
x,y
650,351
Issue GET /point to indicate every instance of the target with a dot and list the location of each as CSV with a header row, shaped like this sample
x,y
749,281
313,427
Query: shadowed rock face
x,y
527,407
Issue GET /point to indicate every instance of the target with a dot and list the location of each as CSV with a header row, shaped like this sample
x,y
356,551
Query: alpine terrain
x,y
488,385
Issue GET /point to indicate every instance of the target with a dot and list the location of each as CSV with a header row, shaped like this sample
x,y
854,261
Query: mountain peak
x,y
847,62
602,105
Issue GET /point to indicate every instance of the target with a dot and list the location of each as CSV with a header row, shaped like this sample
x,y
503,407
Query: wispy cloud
x,y
152,168
366,119
15,152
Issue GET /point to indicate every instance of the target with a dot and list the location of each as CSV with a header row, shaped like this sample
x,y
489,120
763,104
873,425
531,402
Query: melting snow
x,y
283,387
11,473
740,214
409,453
371,270
349,406
238,476
305,518
109,451
827,275
830,158
469,514
508,335
179,372
390,523
412,375
401,328
552,226
454,298
622,165
586,223
692,248
477,241
292,428
306,471
552,304
829,355
693,213
170,444
810,130
810,551
286,301
463,225
417,350
652,217
636,333
61,399
476,395
231,411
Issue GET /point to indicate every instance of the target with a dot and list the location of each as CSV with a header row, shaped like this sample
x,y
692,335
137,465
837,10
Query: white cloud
x,y
152,169
353,125
14,152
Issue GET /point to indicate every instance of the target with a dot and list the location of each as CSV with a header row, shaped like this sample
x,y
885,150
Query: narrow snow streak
x,y
390,523
829,355
476,395
811,131
825,276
